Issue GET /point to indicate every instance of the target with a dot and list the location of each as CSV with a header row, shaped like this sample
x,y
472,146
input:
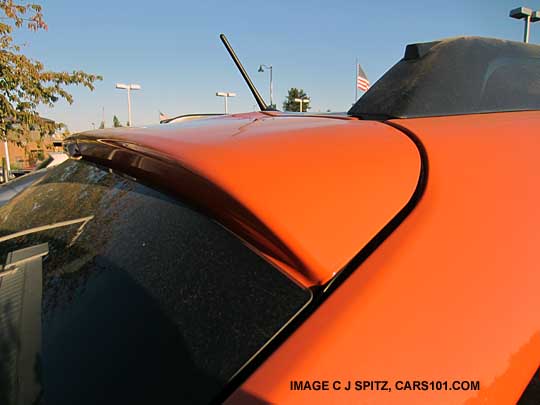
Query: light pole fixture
x,y
271,85
302,100
226,96
524,13
128,87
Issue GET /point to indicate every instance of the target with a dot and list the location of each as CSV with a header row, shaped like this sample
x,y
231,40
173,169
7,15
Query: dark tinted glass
x,y
456,76
531,395
114,293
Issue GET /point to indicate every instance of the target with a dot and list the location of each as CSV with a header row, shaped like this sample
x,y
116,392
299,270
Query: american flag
x,y
362,81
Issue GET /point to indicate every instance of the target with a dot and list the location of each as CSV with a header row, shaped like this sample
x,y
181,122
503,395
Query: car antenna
x,y
258,98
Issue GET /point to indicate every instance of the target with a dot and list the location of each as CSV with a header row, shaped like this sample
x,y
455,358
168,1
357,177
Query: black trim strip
x,y
320,294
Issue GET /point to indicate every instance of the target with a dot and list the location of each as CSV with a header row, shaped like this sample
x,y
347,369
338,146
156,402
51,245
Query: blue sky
x,y
172,48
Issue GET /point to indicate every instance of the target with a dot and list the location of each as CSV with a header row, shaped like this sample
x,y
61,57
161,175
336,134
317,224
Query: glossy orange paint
x,y
451,294
307,192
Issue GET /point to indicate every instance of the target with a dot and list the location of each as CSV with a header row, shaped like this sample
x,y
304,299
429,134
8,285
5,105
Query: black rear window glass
x,y
113,293
456,76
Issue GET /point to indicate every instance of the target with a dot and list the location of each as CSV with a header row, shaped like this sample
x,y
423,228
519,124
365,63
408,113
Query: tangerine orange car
x,y
386,255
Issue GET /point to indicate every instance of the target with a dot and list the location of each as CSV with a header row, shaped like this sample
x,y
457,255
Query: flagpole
x,y
355,80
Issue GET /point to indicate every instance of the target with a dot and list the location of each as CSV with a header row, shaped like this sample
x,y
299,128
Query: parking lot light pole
x,y
225,95
301,100
128,87
524,13
8,166
271,85
535,16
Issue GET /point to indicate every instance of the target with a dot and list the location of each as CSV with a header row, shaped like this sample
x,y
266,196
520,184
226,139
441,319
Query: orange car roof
x,y
306,192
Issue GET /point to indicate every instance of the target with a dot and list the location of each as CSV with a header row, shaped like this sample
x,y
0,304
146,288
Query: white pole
x,y
356,82
526,32
129,104
8,166
271,87
226,105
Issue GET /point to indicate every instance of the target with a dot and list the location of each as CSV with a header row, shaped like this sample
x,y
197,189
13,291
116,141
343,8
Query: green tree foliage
x,y
290,105
102,125
25,84
116,122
